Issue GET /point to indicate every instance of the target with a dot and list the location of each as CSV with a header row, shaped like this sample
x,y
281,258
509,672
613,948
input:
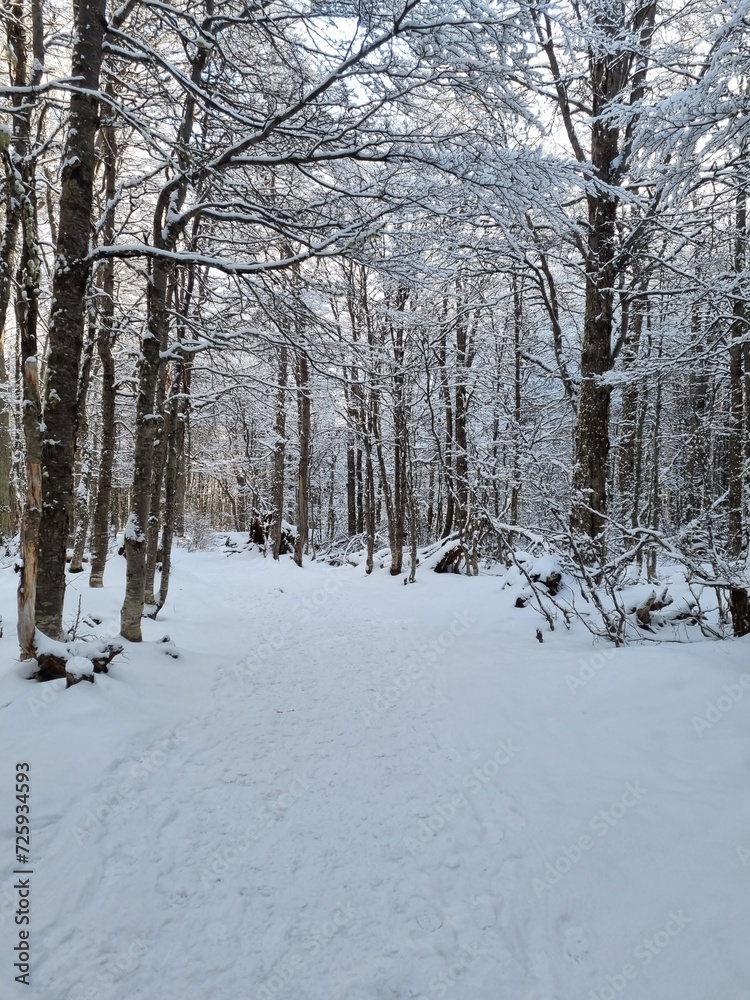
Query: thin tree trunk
x,y
27,312
460,420
736,525
303,470
331,519
161,446
20,170
630,443
515,490
146,420
82,472
105,305
360,495
166,230
8,247
176,445
401,438
369,502
279,451
19,167
450,493
351,488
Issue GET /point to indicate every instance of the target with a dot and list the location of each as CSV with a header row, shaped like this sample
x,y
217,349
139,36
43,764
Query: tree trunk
x,y
166,230
736,520
82,472
401,437
20,168
515,490
460,420
67,316
279,451
27,312
360,495
303,470
175,447
369,504
351,488
161,446
592,428
630,444
146,421
20,171
105,305
450,493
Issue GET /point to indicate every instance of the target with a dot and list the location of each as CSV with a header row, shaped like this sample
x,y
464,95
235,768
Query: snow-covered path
x,y
347,788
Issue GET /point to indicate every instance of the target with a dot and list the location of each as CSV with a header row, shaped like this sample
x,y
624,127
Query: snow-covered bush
x,y
199,536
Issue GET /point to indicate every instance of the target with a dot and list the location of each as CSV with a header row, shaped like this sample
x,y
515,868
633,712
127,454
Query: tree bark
x,y
460,410
67,315
166,230
302,374
20,172
105,302
176,444
351,488
161,447
279,451
737,430
82,471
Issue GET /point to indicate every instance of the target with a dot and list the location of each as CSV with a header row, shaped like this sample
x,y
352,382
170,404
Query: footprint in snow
x,y
575,944
428,918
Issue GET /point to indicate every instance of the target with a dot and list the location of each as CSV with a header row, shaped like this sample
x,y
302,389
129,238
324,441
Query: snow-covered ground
x,y
348,788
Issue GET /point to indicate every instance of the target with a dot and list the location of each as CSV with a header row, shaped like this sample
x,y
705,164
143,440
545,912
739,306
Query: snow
x,y
133,530
348,788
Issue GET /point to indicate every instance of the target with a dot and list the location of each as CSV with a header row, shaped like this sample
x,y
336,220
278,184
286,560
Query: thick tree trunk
x,y
617,79
739,609
67,315
592,427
